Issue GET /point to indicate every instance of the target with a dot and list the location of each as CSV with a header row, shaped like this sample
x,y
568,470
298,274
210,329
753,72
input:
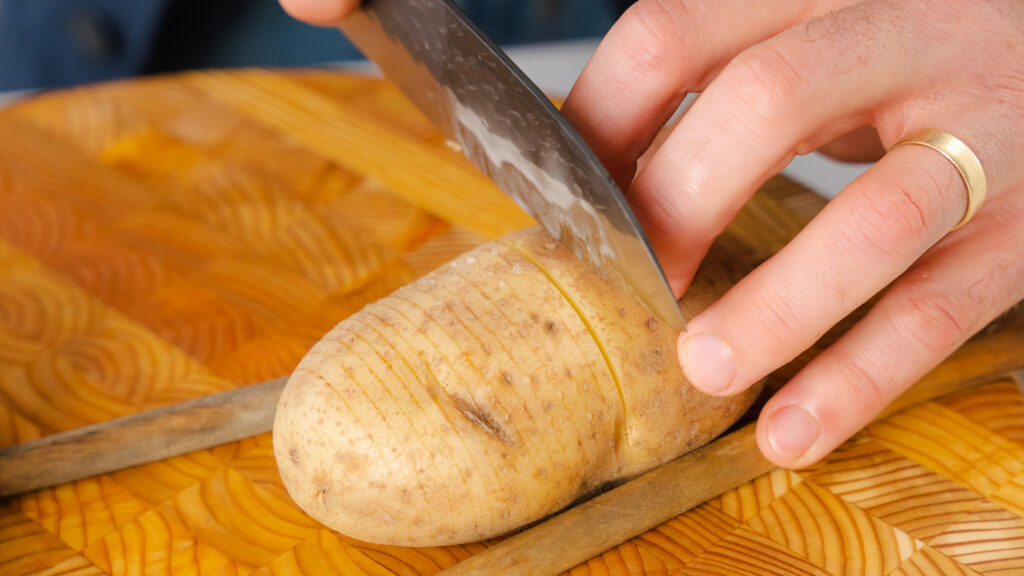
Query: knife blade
x,y
505,125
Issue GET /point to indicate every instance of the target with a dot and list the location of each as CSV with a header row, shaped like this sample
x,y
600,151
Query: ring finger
x,y
866,237
949,295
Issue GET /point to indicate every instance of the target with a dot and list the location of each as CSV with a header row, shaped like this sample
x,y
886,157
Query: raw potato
x,y
487,395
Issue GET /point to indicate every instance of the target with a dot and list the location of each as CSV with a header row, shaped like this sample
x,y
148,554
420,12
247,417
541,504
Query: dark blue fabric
x,y
229,33
54,42
519,21
49,43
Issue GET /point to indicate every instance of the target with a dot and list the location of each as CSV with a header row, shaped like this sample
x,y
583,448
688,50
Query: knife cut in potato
x,y
486,395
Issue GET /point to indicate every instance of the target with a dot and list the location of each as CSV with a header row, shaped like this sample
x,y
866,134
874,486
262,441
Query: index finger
x,y
652,57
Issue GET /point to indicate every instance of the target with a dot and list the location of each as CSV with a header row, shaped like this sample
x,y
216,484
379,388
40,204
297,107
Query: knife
x,y
505,125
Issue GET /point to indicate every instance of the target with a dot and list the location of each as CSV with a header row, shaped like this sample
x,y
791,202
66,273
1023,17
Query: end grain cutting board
x,y
166,239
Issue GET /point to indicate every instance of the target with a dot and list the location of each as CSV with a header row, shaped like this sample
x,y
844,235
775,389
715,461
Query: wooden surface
x,y
140,438
167,239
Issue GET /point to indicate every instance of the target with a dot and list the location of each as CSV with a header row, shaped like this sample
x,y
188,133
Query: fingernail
x,y
708,362
791,431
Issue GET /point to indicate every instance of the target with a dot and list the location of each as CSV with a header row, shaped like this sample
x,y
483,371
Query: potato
x,y
486,395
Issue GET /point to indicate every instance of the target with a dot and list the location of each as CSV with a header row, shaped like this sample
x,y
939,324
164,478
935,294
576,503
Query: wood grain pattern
x,y
165,239
140,438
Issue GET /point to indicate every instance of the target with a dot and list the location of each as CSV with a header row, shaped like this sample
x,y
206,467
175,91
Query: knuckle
x,y
934,321
663,207
774,318
654,32
766,78
661,214
867,388
824,26
891,218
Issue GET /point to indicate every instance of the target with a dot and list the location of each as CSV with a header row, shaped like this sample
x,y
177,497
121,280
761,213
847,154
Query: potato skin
x,y
477,400
665,415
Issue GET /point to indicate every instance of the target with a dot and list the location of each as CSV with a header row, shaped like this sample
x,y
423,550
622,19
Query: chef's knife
x,y
506,126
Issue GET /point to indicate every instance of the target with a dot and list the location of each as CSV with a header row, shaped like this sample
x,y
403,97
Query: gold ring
x,y
965,161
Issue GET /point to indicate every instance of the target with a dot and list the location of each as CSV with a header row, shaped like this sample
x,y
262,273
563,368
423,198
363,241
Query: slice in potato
x,y
487,395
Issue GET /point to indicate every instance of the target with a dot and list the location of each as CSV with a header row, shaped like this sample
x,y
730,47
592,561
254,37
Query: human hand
x,y
320,12
784,77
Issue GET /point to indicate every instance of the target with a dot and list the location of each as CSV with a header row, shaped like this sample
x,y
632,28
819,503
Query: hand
x,y
784,77
320,12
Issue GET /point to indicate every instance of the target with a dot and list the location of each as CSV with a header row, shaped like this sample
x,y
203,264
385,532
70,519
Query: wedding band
x,y
963,159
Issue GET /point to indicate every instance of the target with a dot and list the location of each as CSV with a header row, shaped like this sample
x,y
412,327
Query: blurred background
x,y
53,43
57,43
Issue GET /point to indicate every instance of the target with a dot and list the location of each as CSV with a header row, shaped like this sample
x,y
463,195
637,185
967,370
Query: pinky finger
x,y
959,286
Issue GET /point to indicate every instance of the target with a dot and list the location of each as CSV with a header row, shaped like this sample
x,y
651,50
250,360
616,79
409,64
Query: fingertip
x,y
320,12
708,363
680,276
790,436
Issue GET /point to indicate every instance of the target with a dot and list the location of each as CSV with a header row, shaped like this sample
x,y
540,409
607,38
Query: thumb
x,y
320,12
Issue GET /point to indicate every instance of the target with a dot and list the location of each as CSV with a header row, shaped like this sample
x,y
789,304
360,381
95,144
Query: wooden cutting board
x,y
166,239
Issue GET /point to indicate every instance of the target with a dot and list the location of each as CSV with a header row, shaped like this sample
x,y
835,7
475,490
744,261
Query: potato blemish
x,y
483,420
488,395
